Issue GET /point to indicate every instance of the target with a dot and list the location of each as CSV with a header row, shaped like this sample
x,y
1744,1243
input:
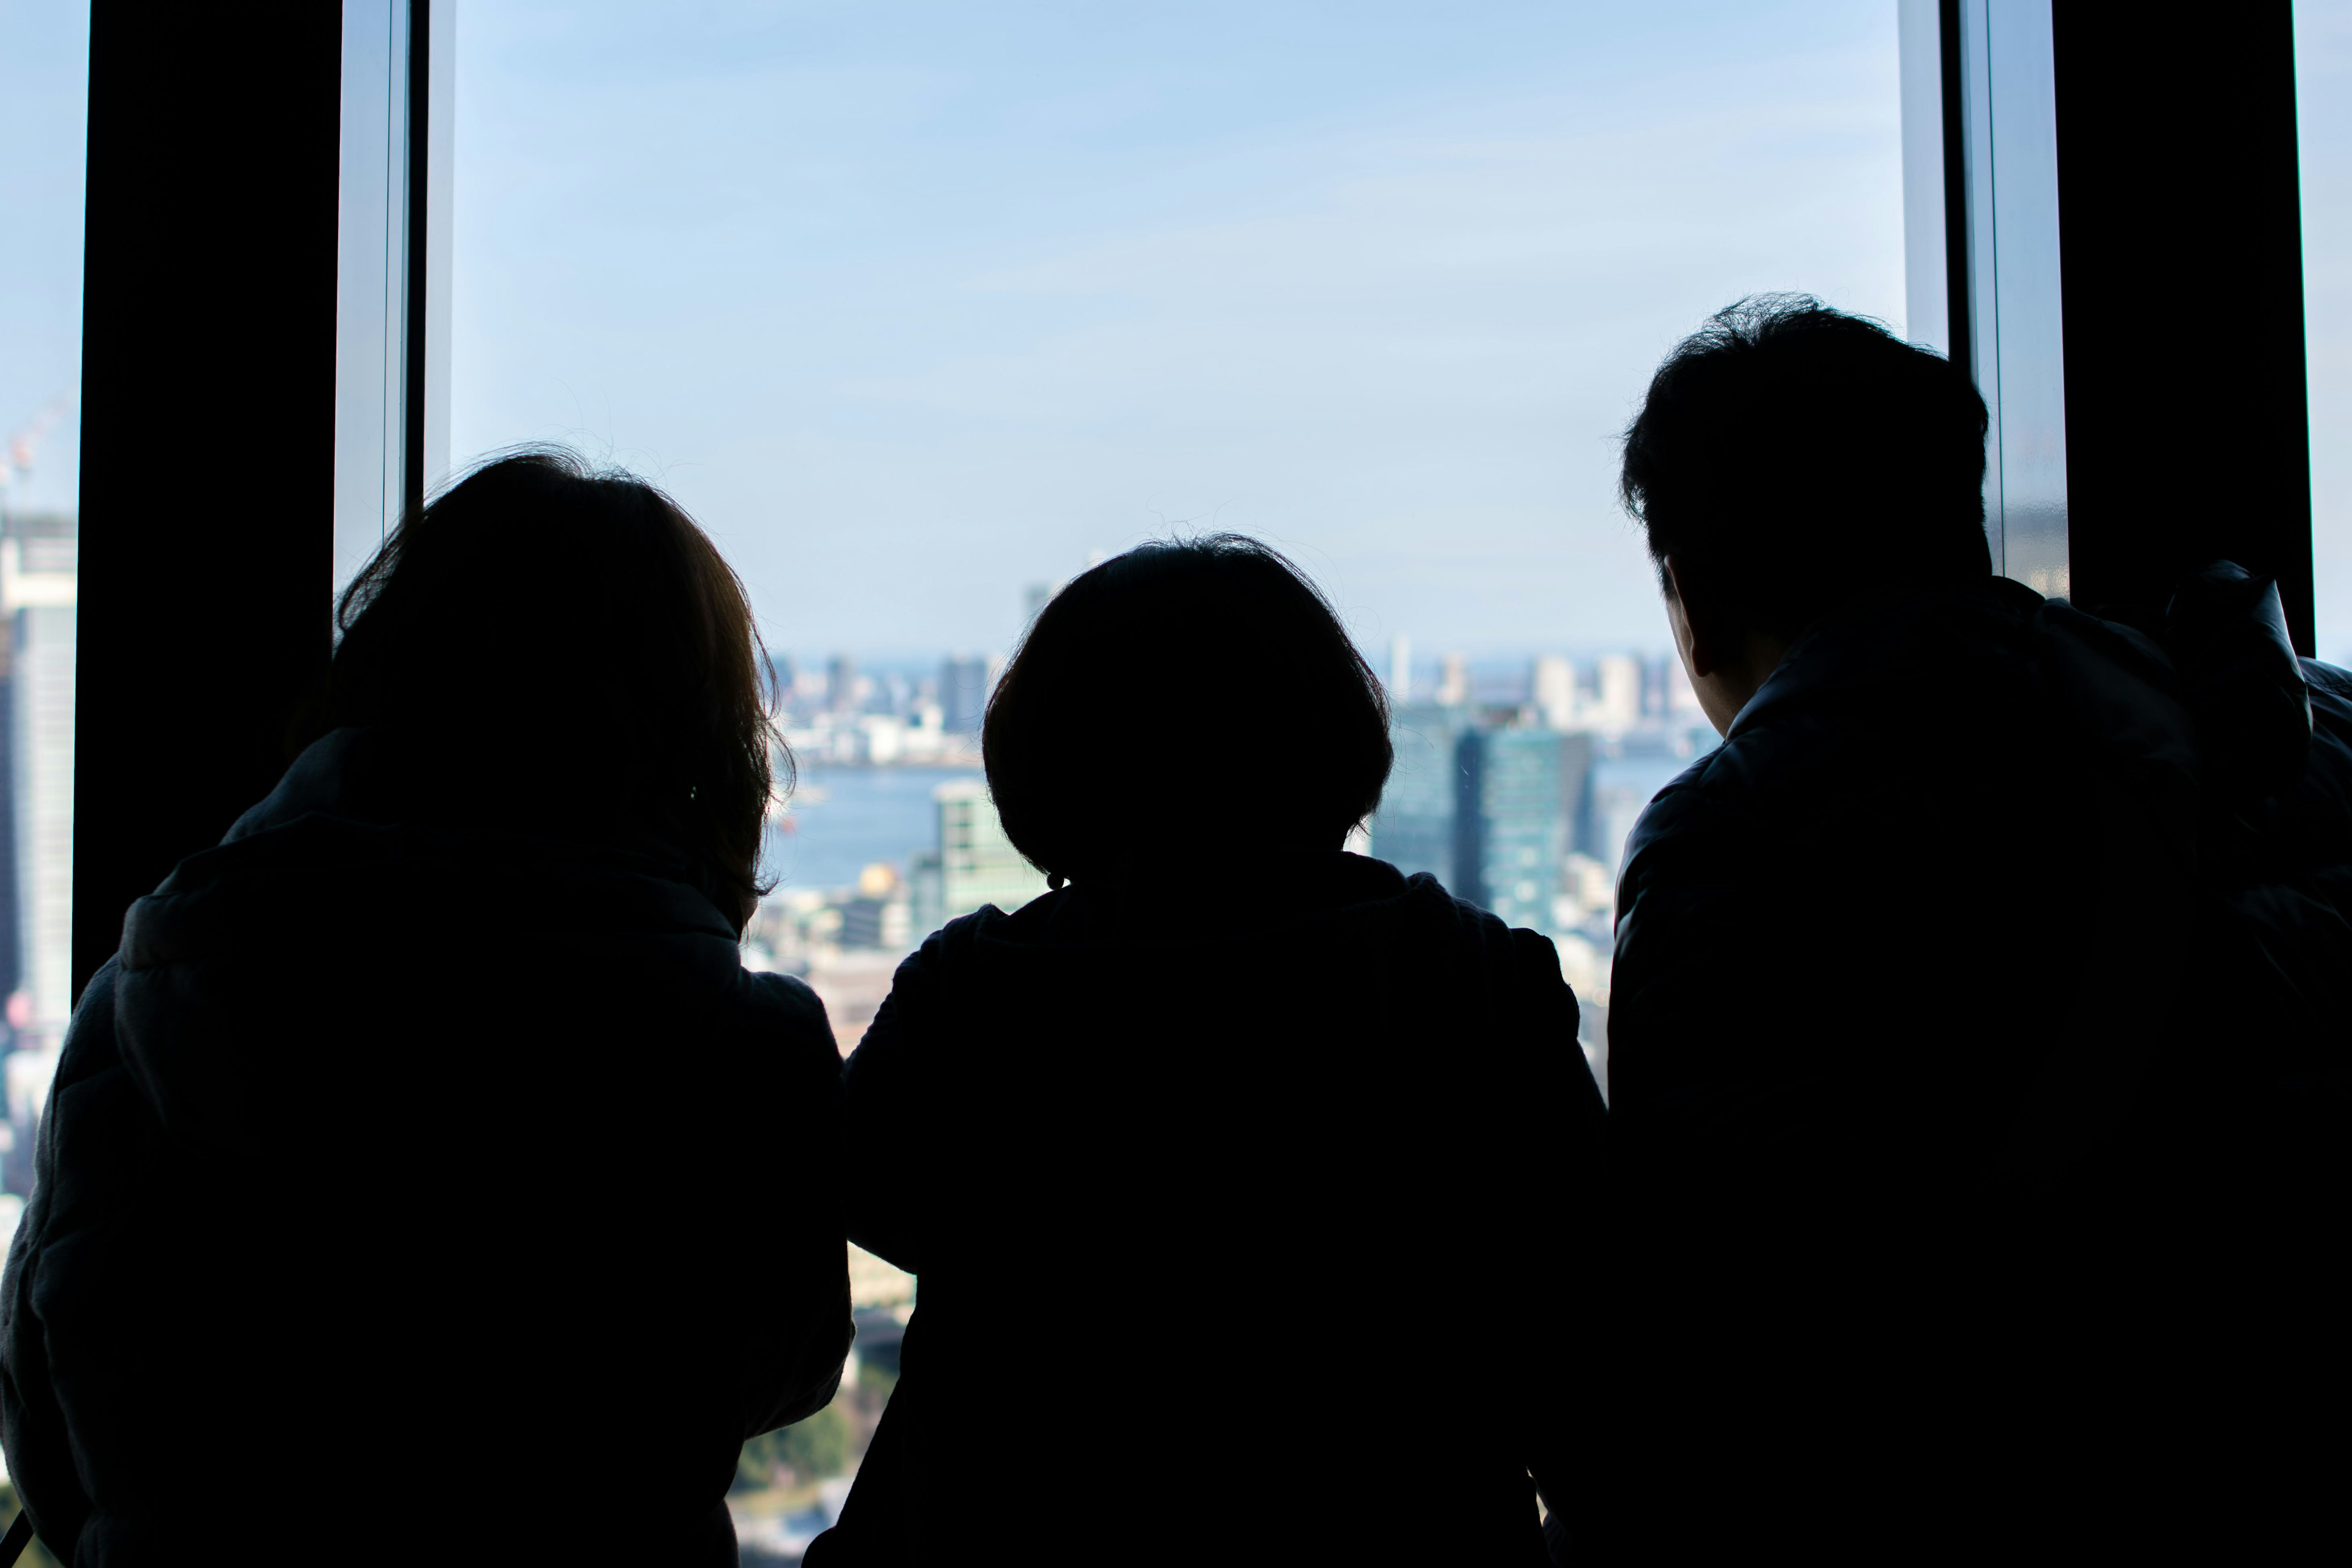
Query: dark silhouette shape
x,y
1241,1174
1089,759
2245,1136
1906,984
2275,853
1791,459
425,1159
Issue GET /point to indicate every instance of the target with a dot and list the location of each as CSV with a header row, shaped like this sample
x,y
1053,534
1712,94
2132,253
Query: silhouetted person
x,y
1899,993
2248,1129
1240,1174
425,1178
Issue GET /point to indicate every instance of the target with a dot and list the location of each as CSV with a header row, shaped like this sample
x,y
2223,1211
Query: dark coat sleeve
x,y
1555,1127
1692,1019
886,1092
95,1115
802,1307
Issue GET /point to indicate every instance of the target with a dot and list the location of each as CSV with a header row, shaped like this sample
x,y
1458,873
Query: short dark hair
x,y
1188,694
574,632
1797,457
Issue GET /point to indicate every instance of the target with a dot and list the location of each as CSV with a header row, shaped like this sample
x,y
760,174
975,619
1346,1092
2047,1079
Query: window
x,y
43,110
921,307
2323,49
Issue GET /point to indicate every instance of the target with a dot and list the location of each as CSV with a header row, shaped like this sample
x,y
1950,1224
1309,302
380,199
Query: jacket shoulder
x,y
787,1002
1705,802
96,1137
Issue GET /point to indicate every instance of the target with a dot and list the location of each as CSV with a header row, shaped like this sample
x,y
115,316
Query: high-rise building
x,y
1616,694
38,591
1413,829
1400,668
1552,690
841,684
1682,700
1654,686
1454,680
975,864
963,693
1514,821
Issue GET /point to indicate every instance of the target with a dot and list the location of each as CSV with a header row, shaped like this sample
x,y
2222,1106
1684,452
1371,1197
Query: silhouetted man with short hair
x,y
1896,965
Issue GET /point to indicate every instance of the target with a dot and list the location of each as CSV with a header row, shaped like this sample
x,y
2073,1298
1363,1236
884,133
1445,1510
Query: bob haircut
x,y
1795,457
581,646
1190,696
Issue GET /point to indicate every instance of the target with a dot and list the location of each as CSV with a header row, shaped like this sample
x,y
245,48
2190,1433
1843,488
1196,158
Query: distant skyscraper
x,y
1413,829
38,591
977,864
1655,686
1453,681
841,684
12,956
963,693
1682,700
1514,818
1617,694
1400,669
1553,684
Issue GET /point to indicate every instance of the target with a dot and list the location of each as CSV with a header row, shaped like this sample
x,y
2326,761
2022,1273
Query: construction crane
x,y
17,457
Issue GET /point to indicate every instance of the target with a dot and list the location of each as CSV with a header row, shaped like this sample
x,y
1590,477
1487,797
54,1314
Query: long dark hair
x,y
574,630
1192,696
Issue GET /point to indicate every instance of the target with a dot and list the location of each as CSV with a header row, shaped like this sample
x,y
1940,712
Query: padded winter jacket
x,y
415,1187
1943,990
1244,1217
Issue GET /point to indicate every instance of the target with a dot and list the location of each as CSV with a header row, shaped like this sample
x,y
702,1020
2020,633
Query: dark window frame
x,y
2179,219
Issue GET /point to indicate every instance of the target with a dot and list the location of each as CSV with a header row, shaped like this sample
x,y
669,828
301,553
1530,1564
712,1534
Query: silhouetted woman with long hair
x,y
1237,1172
426,1179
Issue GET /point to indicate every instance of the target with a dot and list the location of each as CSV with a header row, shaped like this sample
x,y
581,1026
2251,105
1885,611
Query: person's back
x,y
2275,878
1894,967
1230,1180
1855,936
402,1189
2246,1124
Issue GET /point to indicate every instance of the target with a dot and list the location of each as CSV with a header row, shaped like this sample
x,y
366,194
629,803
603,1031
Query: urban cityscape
x,y
38,581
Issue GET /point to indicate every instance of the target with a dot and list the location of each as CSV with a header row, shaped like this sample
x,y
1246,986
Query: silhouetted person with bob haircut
x,y
425,1178
1238,1172
1903,1034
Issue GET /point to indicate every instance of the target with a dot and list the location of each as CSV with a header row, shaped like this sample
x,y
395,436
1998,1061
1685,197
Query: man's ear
x,y
1696,599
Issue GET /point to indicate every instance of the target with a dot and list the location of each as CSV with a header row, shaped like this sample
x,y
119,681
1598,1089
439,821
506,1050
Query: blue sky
x,y
43,110
2323,43
917,303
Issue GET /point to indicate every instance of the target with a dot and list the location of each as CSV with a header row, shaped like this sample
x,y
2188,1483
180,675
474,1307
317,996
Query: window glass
x,y
44,102
2322,50
921,308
